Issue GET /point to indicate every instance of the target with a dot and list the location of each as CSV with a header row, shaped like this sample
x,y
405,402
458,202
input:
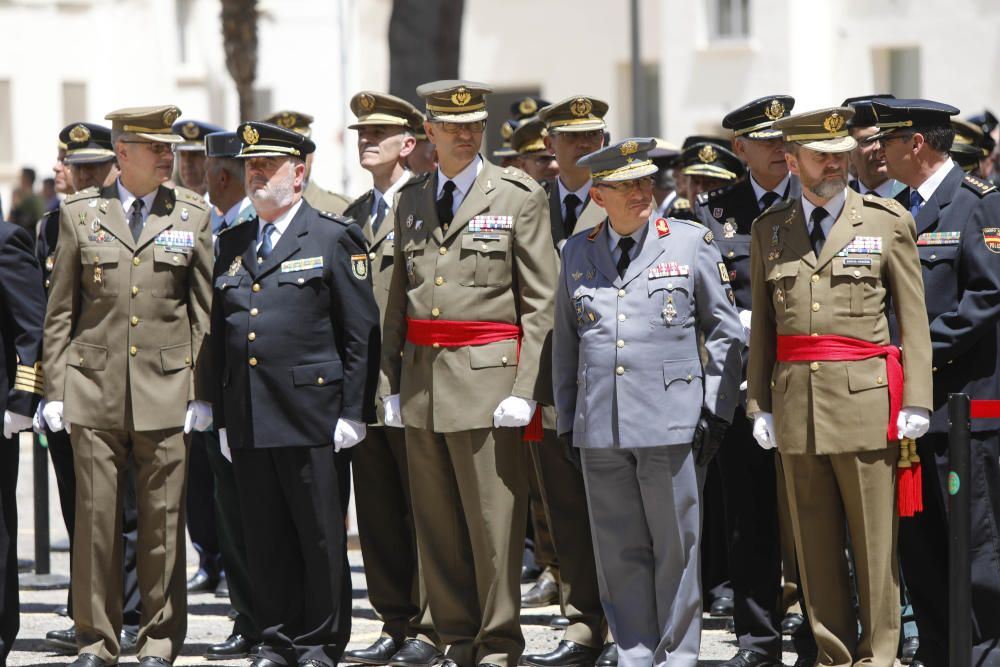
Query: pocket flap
x,y
175,357
733,249
317,374
683,370
164,255
932,254
99,255
856,267
299,277
867,374
780,270
226,281
493,355
779,379
413,245
669,283
484,242
87,355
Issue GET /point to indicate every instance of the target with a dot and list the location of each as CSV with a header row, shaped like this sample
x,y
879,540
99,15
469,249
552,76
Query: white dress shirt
x,y
833,209
389,195
127,199
780,189
638,236
581,194
463,182
927,188
280,225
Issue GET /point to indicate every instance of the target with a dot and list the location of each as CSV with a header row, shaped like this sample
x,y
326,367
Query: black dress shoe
x,y
313,663
127,642
791,623
909,650
379,653
261,661
566,654
235,647
608,657
90,660
415,653
154,661
917,663
721,606
222,588
542,594
558,621
747,658
202,581
62,641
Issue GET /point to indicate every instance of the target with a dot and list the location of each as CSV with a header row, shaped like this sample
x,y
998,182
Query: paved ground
x,y
207,621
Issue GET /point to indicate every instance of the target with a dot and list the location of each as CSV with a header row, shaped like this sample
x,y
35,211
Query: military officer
x,y
825,386
90,162
126,319
653,286
534,158
385,126
709,166
318,197
972,146
575,127
465,324
21,316
423,157
957,218
191,162
287,397
506,156
665,157
867,162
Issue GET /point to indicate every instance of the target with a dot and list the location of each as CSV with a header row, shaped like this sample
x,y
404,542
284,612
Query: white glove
x,y
14,423
224,445
53,413
514,411
393,416
348,433
763,430
38,421
198,417
913,422
745,321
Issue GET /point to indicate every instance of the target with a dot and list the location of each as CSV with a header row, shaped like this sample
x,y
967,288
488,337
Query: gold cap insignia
x,y
581,107
461,97
708,154
190,130
366,102
774,110
506,131
79,134
250,135
834,122
527,106
286,120
169,116
629,147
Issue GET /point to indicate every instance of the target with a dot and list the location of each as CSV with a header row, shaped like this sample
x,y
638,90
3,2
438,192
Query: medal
x,y
98,274
729,229
779,295
774,236
95,224
670,311
103,206
184,214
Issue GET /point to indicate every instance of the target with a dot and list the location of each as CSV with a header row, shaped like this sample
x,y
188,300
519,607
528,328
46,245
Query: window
x,y
729,19
897,71
74,102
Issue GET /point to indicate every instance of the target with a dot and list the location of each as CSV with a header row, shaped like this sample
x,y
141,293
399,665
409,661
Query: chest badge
x,y
95,224
409,221
662,227
184,214
670,311
577,275
729,228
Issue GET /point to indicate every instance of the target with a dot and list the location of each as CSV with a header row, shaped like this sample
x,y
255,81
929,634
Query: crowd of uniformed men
x,y
713,376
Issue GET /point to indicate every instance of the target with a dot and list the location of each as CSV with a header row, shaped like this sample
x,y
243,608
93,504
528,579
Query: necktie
x,y
445,203
625,244
135,219
767,199
569,222
915,203
266,245
379,214
816,236
222,227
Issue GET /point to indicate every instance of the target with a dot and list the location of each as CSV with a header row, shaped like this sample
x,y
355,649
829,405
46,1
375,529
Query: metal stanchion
x,y
959,528
42,578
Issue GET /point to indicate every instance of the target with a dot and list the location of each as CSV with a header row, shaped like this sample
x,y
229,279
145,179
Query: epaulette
x,y
890,205
546,185
347,222
978,186
518,177
690,223
416,180
779,205
86,193
190,197
682,204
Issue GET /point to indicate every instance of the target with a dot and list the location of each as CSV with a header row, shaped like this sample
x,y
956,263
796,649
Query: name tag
x,y
487,237
940,238
174,238
864,245
302,264
857,261
482,223
669,270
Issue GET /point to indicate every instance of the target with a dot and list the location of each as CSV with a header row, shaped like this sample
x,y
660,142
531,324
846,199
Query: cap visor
x,y
162,138
766,133
470,117
629,175
190,146
580,127
378,120
89,159
838,145
505,152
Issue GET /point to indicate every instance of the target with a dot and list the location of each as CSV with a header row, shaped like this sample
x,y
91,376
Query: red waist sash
x,y
842,348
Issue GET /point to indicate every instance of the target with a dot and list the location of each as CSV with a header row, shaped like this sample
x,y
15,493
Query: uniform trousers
x,y
539,536
10,608
564,497
101,459
388,540
232,542
297,552
470,505
833,497
751,510
923,543
201,524
645,516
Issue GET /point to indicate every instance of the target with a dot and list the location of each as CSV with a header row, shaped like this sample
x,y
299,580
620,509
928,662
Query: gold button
x,y
815,278
933,256
621,317
436,345
253,361
815,307
443,250
814,366
48,283
503,360
445,226
732,254
691,377
670,285
251,336
135,320
933,370
320,380
778,274
81,362
439,281
135,261
815,333
176,259
620,370
621,293
256,287
260,260
484,246
133,350
722,396
253,312
620,344
857,274
879,380
135,290
301,281
371,255
772,384
187,360
435,311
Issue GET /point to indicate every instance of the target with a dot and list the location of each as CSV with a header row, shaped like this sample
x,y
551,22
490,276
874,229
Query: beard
x,y
276,193
828,187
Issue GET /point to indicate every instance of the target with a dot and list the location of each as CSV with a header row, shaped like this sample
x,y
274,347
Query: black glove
x,y
708,435
571,453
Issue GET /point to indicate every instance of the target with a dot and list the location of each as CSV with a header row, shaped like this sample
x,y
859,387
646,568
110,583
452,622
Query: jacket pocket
x,y
493,355
318,374
867,374
483,259
175,357
170,273
300,278
87,356
684,371
100,270
671,296
861,276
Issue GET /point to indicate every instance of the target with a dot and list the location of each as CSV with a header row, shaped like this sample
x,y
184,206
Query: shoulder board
x,y
518,177
716,193
89,193
359,200
779,205
890,205
978,186
190,197
347,222
695,225
416,180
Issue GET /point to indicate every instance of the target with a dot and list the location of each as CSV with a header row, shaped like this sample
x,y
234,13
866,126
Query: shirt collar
x,y
780,189
885,189
927,188
581,193
833,209
638,236
281,224
390,194
127,199
463,180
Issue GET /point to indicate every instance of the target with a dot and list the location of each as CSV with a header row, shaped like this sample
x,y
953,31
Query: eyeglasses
x,y
644,184
475,127
895,135
589,135
156,147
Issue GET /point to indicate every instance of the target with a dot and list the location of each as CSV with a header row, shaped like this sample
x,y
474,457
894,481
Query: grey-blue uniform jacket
x,y
627,370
